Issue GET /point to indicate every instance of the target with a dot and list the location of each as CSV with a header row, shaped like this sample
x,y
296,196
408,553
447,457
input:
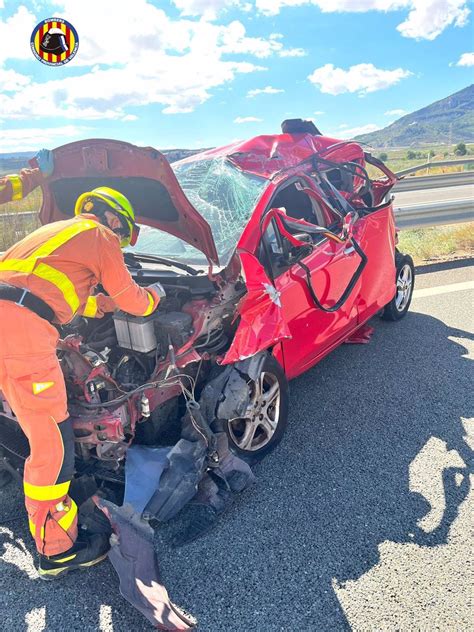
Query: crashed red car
x,y
272,252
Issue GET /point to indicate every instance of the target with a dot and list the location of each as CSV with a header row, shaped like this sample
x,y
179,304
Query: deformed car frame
x,y
273,252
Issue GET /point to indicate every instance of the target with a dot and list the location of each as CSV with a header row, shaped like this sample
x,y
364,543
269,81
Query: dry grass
x,y
438,242
13,225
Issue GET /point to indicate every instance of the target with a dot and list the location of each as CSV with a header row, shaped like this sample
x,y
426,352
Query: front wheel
x,y
405,282
263,425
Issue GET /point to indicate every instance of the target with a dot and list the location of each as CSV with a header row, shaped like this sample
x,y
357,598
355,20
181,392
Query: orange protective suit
x,y
60,263
15,187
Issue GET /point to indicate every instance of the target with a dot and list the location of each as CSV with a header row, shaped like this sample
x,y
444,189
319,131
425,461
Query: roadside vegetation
x,y
398,159
438,242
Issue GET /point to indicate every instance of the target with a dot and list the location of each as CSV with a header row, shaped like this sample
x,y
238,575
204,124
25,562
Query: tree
x,y
411,155
383,156
432,153
460,149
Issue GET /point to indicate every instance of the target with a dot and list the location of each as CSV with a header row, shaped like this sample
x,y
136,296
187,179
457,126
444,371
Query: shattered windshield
x,y
223,195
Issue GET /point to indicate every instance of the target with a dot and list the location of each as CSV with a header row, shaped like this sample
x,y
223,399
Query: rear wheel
x,y
263,424
405,282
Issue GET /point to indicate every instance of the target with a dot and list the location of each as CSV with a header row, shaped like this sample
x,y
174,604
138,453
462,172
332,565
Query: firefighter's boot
x,y
87,551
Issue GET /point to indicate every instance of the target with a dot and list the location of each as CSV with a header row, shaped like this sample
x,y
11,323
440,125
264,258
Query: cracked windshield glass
x,y
223,195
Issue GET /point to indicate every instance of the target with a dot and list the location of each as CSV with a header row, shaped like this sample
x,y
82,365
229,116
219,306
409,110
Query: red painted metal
x,y
262,323
117,159
275,313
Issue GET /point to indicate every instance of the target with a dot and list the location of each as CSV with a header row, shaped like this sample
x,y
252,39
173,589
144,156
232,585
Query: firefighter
x,y
46,279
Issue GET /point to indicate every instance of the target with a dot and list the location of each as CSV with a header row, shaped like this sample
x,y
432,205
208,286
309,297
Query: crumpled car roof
x,y
265,156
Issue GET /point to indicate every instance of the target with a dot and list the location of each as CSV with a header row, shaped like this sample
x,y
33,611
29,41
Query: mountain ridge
x,y
449,120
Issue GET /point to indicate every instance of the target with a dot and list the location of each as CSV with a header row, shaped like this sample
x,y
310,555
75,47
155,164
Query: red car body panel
x,y
275,313
100,161
262,322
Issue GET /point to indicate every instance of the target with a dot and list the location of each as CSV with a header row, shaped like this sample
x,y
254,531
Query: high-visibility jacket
x,y
15,187
62,263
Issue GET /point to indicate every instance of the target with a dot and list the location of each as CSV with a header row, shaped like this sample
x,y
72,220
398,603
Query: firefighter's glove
x,y
45,161
158,289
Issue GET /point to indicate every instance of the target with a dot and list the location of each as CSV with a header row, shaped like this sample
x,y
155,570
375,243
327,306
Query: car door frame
x,y
318,324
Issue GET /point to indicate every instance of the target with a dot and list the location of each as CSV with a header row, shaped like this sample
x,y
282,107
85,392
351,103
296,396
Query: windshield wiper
x,y
147,258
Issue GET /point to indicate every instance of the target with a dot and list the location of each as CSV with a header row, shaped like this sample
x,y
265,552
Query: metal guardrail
x,y
439,163
440,181
434,214
407,216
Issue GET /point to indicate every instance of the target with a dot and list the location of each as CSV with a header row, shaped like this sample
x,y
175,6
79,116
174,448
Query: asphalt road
x,y
360,520
431,196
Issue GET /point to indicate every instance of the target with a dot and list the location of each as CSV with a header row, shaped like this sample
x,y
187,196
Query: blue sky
x,y
193,73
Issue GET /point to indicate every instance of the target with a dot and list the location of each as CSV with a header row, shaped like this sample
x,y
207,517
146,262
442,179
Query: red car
x,y
272,251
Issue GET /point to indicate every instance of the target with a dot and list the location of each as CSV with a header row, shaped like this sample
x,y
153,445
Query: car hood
x,y
142,174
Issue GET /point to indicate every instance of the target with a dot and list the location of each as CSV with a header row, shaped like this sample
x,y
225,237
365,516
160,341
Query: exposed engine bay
x,y
128,378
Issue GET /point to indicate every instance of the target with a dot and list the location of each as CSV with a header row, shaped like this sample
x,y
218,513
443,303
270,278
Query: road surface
x,y
360,520
431,196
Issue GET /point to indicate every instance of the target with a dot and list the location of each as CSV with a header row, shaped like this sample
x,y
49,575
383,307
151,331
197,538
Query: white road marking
x,y
443,289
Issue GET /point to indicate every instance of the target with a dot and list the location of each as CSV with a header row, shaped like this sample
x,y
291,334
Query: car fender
x,y
261,318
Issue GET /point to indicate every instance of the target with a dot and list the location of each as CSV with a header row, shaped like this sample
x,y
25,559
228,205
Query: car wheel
x,y
263,425
405,280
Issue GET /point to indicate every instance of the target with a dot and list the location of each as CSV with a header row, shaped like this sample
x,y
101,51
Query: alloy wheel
x,y
259,423
404,287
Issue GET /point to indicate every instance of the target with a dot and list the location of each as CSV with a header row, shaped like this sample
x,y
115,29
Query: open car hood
x,y
142,174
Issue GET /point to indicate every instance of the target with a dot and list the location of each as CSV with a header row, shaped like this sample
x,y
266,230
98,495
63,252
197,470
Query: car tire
x,y
267,419
405,283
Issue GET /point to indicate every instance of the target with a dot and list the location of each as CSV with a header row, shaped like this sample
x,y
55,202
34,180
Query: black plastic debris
x,y
133,557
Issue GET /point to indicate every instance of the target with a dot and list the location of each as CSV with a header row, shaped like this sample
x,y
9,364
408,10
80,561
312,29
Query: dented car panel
x,y
298,244
262,324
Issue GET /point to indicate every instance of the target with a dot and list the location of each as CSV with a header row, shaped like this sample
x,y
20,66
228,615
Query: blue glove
x,y
45,161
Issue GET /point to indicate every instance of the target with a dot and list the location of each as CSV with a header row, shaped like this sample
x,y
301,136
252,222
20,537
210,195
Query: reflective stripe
x,y
90,310
46,492
66,521
17,187
63,236
151,304
65,559
33,530
31,265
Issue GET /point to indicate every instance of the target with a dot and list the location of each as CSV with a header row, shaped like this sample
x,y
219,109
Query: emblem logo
x,y
54,42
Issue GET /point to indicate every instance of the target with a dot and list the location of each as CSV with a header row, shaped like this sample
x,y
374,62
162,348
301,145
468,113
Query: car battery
x,y
135,332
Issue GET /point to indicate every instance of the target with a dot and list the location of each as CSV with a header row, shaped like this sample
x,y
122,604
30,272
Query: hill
x,y
450,120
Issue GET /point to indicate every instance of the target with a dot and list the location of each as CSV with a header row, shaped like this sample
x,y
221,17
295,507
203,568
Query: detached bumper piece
x,y
133,557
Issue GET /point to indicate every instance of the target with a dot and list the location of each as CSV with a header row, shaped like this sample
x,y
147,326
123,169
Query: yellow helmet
x,y
117,203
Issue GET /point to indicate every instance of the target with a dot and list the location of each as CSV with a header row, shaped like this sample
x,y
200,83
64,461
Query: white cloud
x,y
36,137
176,63
319,113
247,119
15,33
293,52
207,8
130,117
398,112
466,59
266,90
362,78
10,80
354,131
426,18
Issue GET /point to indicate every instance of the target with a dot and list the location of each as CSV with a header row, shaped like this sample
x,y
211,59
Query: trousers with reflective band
x,y
34,264
33,384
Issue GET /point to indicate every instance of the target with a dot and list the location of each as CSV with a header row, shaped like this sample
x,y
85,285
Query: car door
x,y
312,281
